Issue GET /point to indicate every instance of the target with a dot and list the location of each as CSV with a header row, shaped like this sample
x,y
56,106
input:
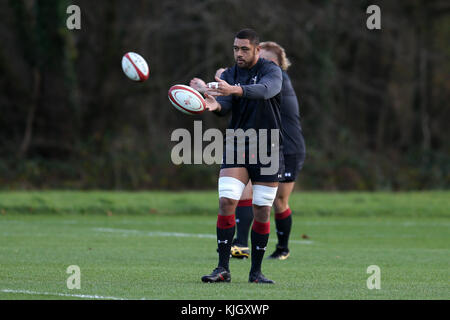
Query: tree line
x,y
373,103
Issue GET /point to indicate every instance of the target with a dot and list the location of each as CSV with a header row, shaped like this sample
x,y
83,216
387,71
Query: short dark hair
x,y
248,34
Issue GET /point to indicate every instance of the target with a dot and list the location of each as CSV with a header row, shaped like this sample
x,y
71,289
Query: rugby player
x,y
251,91
294,157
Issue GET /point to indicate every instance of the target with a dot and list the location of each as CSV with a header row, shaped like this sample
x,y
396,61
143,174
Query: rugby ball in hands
x,y
187,99
135,67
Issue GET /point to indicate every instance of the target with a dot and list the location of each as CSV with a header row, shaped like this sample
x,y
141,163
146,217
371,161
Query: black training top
x,y
290,118
259,107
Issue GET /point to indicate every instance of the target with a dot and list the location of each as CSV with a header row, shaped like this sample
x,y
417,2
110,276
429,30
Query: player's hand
x,y
224,89
211,103
198,84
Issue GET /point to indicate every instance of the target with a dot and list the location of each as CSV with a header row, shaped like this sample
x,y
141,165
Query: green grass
x,y
157,245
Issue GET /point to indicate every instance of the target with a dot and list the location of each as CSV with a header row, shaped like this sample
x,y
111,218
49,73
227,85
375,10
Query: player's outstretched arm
x,y
267,87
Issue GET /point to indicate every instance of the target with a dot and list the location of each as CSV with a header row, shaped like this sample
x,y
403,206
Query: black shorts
x,y
293,164
256,171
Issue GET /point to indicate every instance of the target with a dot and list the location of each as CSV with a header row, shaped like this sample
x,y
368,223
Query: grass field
x,y
157,245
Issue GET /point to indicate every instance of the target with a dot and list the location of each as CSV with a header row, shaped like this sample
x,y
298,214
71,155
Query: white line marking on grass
x,y
157,233
84,296
300,241
179,234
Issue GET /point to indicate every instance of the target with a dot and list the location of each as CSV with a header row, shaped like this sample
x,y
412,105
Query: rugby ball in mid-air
x,y
187,99
135,67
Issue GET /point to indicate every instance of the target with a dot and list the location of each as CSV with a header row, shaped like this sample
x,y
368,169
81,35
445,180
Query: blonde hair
x,y
278,51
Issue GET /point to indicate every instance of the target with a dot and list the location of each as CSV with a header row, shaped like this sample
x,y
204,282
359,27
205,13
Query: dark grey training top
x,y
290,118
259,107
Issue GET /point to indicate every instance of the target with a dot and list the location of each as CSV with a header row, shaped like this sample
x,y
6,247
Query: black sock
x,y
225,233
244,218
260,237
283,223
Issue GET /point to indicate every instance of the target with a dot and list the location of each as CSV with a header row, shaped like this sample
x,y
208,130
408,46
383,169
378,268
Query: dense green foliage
x,y
374,103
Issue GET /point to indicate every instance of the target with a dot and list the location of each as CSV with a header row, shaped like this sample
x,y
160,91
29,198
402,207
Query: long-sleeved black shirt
x,y
259,107
293,142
